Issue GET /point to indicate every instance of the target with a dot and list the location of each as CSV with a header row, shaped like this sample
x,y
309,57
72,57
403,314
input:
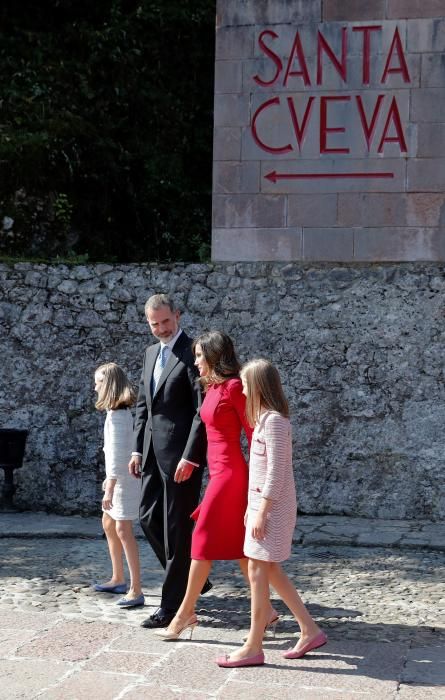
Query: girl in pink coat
x,y
270,516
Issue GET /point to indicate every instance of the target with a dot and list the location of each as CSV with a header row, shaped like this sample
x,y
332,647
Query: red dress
x,y
219,531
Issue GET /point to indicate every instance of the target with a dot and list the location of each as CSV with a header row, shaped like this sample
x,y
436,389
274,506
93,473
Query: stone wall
x,y
329,139
360,351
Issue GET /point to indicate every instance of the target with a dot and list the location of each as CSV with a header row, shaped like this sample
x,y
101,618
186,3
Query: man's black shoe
x,y
160,618
207,587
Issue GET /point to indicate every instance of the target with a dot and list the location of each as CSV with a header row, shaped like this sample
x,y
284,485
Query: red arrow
x,y
274,176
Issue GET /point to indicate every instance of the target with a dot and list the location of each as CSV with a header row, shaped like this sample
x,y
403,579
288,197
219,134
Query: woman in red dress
x,y
219,531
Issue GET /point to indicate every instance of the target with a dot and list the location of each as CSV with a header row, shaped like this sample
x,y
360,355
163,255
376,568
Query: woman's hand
x,y
259,526
107,501
108,487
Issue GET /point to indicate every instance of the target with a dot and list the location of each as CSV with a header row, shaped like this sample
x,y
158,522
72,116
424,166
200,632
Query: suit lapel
x,y
174,357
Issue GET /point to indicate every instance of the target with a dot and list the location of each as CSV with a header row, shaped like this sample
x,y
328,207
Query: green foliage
x,y
106,128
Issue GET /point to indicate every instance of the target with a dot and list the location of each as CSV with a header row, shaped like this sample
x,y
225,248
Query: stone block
x,y
233,43
249,211
353,10
231,110
431,140
319,176
226,143
382,209
241,12
428,105
398,244
254,244
236,177
426,35
414,9
425,209
228,76
328,244
433,70
426,175
312,210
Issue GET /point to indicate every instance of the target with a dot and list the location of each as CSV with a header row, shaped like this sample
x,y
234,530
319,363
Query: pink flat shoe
x,y
225,662
318,641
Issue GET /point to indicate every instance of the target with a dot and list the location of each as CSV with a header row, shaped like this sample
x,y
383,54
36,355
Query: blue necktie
x,y
159,366
163,357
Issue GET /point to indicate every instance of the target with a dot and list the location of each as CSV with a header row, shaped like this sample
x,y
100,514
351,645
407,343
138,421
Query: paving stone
x,y
420,692
60,641
242,690
85,684
143,692
24,678
12,639
133,662
378,538
425,665
188,667
375,603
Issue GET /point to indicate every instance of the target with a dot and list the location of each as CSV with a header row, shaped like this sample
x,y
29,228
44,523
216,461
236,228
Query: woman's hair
x,y
219,353
115,390
263,390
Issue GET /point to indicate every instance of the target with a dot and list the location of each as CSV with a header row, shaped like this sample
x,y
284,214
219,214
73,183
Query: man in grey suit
x,y
169,449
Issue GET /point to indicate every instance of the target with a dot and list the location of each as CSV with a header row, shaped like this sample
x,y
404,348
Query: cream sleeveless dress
x,y
118,436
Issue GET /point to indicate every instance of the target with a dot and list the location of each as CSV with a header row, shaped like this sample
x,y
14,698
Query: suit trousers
x,y
164,515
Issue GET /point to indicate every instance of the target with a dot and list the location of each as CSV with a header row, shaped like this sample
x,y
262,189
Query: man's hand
x,y
135,466
183,471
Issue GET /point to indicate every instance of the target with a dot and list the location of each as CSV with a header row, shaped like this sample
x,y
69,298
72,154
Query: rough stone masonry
x,y
360,350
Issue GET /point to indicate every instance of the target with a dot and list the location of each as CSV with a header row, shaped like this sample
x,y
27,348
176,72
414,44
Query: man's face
x,y
164,323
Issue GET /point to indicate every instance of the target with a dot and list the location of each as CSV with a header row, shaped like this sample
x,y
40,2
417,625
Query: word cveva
x,y
378,115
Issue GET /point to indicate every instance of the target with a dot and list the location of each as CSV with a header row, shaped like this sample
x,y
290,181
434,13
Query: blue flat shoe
x,y
131,602
120,588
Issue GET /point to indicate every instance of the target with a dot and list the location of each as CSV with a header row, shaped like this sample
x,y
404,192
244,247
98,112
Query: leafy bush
x,y
106,128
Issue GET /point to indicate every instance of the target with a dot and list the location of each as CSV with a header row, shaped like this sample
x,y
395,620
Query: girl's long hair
x,y
263,390
219,353
115,390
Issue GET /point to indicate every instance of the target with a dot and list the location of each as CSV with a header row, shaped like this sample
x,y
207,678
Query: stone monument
x,y
329,131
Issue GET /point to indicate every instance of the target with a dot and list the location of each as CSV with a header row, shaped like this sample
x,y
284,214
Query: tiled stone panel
x,y
329,130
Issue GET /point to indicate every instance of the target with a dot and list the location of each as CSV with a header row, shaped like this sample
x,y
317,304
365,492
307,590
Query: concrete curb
x,y
311,530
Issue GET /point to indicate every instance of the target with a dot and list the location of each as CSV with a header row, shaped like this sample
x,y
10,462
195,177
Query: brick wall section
x,y
256,217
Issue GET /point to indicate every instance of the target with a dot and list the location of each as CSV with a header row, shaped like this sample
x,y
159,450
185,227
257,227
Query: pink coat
x,y
271,475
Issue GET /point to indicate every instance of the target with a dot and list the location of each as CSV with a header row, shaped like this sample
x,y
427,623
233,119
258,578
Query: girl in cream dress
x,y
120,503
270,516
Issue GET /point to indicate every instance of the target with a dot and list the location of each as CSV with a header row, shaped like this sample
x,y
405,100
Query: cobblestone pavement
x,y
382,607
